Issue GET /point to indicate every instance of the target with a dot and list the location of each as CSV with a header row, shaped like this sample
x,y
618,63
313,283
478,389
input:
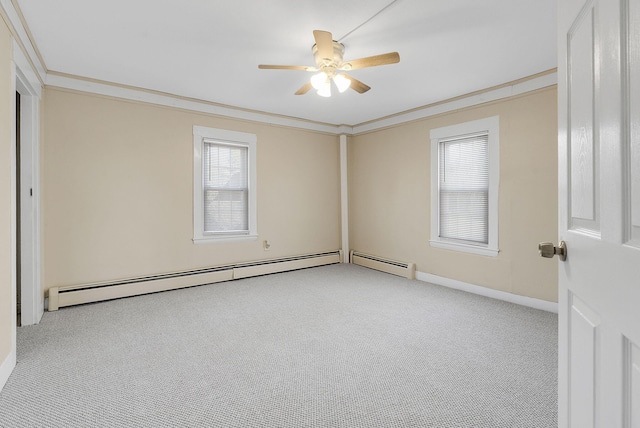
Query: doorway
x,y
29,296
18,216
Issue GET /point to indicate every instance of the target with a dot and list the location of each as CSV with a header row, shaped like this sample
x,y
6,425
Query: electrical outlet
x,y
266,245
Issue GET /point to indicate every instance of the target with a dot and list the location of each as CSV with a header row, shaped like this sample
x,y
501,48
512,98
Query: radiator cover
x,y
407,270
87,293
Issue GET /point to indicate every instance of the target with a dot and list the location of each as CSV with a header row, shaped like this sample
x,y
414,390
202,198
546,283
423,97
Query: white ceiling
x,y
210,49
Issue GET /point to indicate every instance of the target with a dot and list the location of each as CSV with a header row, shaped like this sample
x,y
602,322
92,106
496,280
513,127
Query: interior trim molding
x,y
30,90
168,100
23,39
508,90
6,368
530,302
344,198
29,76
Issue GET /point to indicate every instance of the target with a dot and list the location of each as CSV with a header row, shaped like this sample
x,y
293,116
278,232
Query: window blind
x,y
225,187
464,188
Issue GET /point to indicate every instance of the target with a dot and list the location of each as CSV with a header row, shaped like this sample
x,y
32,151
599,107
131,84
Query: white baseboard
x,y
488,292
6,368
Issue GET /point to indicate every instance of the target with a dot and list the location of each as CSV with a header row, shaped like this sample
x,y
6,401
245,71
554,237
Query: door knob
x,y
548,250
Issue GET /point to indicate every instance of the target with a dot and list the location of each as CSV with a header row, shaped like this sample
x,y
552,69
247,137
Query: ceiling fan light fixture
x,y
319,81
325,90
328,55
342,83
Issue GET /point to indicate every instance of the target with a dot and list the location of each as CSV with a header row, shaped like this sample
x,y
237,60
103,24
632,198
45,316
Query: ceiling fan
x,y
328,55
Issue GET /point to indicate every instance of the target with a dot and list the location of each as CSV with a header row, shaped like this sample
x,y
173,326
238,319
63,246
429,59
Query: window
x,y
224,183
464,187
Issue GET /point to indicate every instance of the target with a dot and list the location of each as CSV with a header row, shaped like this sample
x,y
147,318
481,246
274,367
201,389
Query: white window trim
x,y
492,126
200,133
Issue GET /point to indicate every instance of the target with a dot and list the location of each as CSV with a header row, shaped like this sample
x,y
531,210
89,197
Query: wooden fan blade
x,y
324,42
285,67
304,89
372,61
357,85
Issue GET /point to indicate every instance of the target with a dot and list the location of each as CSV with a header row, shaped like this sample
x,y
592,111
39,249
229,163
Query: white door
x,y
599,212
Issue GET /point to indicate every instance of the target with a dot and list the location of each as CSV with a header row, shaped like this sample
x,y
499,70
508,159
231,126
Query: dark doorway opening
x,y
18,212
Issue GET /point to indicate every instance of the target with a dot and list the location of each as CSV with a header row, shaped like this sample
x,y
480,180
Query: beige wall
x,y
389,196
118,192
6,209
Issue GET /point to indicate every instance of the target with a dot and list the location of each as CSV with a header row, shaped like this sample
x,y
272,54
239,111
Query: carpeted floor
x,y
335,346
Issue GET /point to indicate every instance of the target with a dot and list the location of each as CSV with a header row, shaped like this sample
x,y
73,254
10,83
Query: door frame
x,y
29,87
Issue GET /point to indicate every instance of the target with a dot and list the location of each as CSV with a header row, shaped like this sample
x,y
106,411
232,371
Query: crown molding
x,y
64,81
508,90
22,39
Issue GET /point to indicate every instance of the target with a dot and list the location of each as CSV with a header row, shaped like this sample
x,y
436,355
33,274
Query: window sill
x,y
465,248
227,238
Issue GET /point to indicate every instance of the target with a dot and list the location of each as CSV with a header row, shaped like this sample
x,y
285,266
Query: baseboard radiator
x,y
59,297
407,270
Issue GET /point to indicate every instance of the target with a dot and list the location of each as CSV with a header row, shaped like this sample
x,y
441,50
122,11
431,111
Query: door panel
x,y
583,149
584,331
599,213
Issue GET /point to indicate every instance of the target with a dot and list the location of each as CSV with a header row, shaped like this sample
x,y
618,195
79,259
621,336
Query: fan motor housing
x,y
338,52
